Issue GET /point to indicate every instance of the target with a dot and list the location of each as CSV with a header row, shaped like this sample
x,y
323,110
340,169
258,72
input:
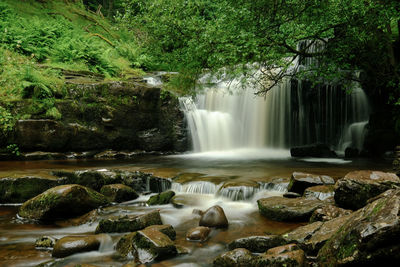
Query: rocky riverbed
x,y
150,211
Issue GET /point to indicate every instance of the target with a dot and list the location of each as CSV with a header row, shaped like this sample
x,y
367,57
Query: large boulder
x,y
69,245
239,257
288,255
353,191
313,236
118,192
199,233
288,209
214,217
321,192
300,181
162,198
129,223
258,244
146,245
61,202
370,237
19,190
316,150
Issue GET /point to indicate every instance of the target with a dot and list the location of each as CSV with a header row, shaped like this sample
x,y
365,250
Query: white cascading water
x,y
227,117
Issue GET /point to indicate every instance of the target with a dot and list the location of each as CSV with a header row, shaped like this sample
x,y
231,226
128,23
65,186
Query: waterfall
x,y
294,112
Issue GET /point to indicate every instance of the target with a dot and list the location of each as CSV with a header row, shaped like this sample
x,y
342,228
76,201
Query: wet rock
x,y
161,199
214,217
287,209
313,236
287,255
45,242
300,181
40,155
353,191
118,192
328,213
241,190
321,192
199,233
129,223
166,229
369,237
76,244
238,257
197,212
146,245
182,250
258,244
316,150
291,195
18,190
61,202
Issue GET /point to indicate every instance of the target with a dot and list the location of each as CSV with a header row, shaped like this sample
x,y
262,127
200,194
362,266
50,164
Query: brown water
x,y
17,236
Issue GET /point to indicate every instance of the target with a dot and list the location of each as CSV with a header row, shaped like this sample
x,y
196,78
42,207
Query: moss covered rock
x,y
65,201
288,255
123,224
300,181
321,192
240,257
258,244
118,192
18,190
369,237
161,199
353,191
328,213
288,209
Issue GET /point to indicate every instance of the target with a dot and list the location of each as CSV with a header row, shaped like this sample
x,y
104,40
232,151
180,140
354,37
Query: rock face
x,y
214,217
65,201
161,199
127,223
369,237
118,115
118,192
147,245
238,257
258,244
321,192
313,236
288,209
76,244
328,213
287,255
18,190
316,150
199,233
300,181
353,191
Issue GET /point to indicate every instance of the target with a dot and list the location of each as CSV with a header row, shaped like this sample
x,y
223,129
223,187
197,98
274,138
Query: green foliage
x,y
7,121
13,149
54,113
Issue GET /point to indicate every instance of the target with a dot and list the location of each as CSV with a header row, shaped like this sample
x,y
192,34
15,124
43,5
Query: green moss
x,y
161,199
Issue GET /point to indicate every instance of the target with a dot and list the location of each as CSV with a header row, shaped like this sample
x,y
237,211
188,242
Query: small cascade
x,y
281,187
195,187
237,193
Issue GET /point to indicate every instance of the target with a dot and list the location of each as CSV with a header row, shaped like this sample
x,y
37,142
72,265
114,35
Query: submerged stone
x,y
199,233
353,191
61,202
214,217
129,223
316,150
288,209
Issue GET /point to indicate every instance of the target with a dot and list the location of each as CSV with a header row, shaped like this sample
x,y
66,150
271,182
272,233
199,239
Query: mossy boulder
x,y
129,223
288,209
94,179
258,244
288,255
18,190
299,181
240,257
370,237
328,213
61,202
162,198
146,245
353,191
45,242
118,192
69,245
214,217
